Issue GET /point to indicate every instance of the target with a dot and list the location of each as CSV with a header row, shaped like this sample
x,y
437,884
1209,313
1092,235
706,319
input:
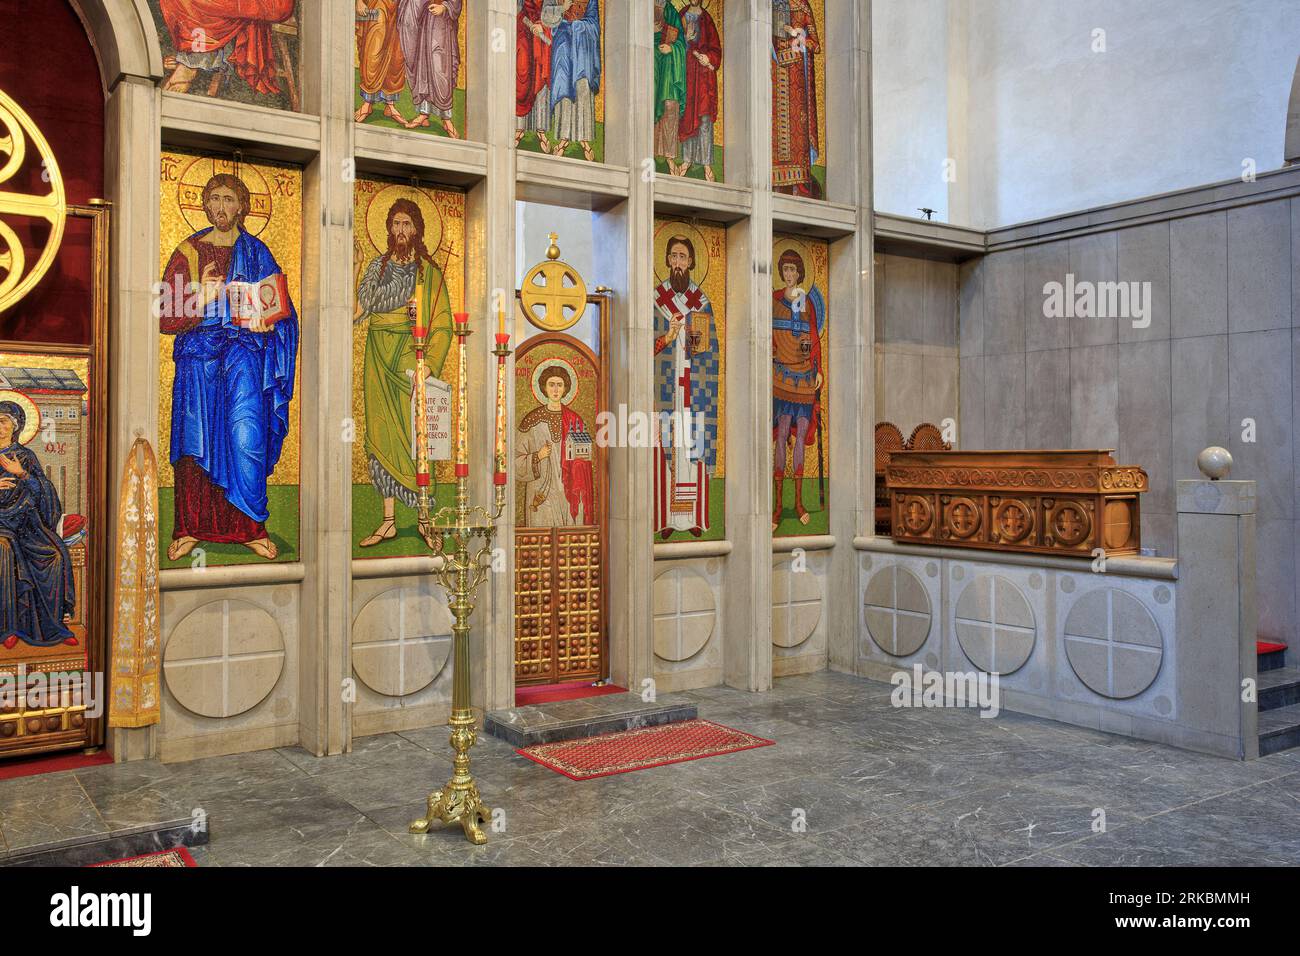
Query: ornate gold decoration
x,y
136,639
461,572
557,289
16,127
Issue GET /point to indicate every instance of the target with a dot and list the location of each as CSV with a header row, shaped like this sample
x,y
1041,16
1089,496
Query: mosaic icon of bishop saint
x,y
683,318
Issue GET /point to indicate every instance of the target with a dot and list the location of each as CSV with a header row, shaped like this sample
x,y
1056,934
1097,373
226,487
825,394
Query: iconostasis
x,y
275,357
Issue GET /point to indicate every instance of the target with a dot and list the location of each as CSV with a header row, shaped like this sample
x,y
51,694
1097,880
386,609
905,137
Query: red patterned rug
x,y
177,857
638,749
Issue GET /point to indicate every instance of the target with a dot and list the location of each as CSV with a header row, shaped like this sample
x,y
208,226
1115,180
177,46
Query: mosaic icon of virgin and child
x,y
387,296
37,591
554,452
234,379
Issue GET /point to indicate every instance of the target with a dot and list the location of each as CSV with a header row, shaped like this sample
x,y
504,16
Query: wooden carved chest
x,y
1052,502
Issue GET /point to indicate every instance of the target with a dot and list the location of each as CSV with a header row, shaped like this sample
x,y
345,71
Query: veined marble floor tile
x,y
851,780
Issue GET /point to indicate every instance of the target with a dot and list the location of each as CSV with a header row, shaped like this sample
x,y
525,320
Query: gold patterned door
x,y
561,621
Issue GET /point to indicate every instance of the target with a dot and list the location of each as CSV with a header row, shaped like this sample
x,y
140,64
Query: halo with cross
x,y
189,192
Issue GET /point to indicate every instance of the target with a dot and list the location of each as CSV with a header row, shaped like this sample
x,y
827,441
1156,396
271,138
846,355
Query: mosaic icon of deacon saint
x,y
554,454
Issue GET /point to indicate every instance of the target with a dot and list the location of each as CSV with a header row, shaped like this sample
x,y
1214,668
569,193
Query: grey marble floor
x,y
851,781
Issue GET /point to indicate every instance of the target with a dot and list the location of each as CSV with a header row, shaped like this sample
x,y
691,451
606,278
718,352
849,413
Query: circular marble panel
x,y
685,614
401,639
897,610
796,605
1113,643
223,658
995,624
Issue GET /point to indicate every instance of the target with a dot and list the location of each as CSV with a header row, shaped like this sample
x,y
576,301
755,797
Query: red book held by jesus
x,y
268,299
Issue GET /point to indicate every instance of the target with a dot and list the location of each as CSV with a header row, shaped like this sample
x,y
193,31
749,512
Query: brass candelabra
x,y
453,533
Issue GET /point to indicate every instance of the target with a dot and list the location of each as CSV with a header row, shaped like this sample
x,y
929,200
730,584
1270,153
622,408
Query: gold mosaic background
x,y
584,403
276,219
817,262
449,254
714,285
819,61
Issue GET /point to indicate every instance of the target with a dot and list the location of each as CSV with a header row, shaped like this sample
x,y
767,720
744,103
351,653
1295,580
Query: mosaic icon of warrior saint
x,y
798,376
554,453
399,288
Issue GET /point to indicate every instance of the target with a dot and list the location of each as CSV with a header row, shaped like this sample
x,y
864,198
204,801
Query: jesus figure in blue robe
x,y
230,400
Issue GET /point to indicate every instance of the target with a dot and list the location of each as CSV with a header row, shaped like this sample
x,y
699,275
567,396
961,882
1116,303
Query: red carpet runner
x,y
638,749
177,857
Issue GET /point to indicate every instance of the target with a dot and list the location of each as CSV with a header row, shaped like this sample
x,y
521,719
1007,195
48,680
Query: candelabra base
x,y
458,802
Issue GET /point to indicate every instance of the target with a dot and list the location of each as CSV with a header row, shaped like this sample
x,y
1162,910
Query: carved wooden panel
x,y
925,437
579,628
1058,502
534,606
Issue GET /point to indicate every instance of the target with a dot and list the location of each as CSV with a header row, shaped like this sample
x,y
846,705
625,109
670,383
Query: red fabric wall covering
x,y
48,65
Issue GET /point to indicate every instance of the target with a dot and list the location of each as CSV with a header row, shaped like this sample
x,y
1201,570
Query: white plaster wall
x,y
910,42
1184,92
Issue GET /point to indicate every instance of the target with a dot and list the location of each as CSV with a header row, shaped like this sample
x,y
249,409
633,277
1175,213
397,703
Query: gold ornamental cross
x,y
16,280
557,288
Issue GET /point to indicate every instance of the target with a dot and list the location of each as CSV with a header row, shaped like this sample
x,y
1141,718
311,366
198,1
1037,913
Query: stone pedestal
x,y
1216,613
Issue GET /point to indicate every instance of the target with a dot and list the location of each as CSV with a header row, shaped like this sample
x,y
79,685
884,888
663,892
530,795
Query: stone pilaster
x,y
1216,612
324,393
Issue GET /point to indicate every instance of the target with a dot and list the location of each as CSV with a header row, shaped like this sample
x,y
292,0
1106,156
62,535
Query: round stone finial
x,y
1214,462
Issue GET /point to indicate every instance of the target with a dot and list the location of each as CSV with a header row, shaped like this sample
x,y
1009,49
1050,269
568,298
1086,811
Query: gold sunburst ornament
x,y
16,129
